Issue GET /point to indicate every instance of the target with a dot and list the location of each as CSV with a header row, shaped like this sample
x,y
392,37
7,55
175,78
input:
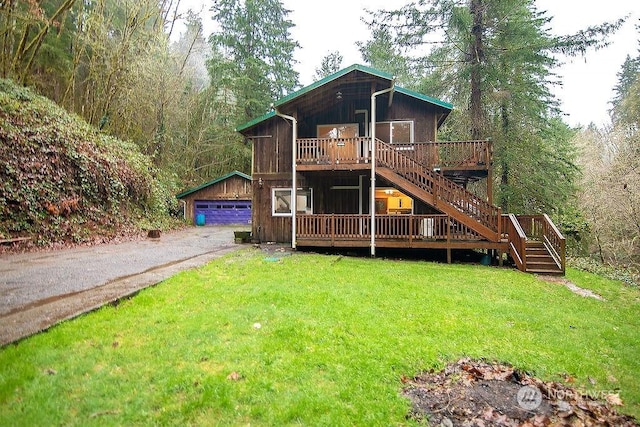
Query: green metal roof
x,y
337,75
332,77
255,121
422,97
222,178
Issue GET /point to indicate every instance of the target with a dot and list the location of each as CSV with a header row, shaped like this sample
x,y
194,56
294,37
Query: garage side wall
x,y
232,188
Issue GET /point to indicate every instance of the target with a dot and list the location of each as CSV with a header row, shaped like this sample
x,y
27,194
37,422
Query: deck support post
x,y
448,240
411,231
333,230
372,206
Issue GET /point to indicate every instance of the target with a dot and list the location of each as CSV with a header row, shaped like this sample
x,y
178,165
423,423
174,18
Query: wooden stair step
x,y
542,264
536,247
555,271
539,257
544,259
539,260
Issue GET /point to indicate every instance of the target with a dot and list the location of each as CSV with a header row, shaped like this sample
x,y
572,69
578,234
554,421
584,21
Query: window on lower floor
x,y
281,201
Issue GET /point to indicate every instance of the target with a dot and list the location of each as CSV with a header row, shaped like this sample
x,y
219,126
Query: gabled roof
x,y
215,181
356,67
332,77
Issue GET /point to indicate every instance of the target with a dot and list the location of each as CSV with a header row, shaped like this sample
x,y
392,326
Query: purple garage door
x,y
222,212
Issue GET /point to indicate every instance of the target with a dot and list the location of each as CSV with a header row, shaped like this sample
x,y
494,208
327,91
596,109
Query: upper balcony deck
x,y
315,154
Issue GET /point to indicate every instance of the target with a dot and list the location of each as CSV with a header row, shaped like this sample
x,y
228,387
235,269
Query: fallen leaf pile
x,y
482,394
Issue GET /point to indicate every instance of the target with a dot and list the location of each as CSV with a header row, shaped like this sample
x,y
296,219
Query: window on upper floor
x,y
395,132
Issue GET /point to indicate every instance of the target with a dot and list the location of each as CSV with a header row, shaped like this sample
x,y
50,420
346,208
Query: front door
x,y
342,149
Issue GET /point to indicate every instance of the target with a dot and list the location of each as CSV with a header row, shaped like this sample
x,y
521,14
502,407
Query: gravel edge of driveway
x,y
40,317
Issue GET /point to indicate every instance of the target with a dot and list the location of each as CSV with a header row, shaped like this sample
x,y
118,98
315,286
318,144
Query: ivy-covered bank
x,y
62,181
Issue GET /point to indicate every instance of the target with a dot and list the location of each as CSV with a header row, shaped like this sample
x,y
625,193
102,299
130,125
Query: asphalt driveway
x,y
40,289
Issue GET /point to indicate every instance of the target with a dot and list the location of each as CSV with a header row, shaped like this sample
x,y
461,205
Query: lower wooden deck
x,y
392,231
502,246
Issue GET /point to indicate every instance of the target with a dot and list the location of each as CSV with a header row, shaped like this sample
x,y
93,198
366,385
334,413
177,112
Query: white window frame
x,y
304,205
392,122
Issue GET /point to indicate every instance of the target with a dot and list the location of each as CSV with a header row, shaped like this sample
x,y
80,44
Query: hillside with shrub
x,y
64,182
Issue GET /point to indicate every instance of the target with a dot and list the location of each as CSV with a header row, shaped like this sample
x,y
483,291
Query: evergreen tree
x,y
627,76
331,63
495,59
383,54
254,39
626,99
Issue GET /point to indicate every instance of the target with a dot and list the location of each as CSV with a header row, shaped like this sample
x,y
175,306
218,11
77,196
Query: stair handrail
x,y
439,186
517,242
554,241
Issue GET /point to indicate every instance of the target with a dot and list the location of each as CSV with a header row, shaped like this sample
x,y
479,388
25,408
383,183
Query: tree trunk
x,y
35,44
476,59
504,175
7,22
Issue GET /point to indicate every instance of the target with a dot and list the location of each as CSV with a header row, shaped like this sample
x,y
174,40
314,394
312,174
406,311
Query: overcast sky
x,y
330,25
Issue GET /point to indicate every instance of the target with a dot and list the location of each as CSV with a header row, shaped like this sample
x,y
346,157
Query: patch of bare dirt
x,y
571,286
477,393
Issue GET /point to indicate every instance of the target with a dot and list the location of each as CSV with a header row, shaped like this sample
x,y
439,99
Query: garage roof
x,y
215,181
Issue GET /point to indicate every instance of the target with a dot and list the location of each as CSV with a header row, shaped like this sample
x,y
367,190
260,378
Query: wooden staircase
x,y
539,259
438,191
535,244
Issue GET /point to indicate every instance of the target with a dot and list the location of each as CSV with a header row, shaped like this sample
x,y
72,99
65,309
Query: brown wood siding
x,y
272,147
343,112
265,226
406,108
272,168
232,188
337,201
272,157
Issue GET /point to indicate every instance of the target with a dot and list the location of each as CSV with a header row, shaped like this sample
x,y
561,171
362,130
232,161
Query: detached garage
x,y
223,201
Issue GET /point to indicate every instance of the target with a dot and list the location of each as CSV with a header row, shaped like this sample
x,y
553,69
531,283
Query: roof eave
x,y
356,67
255,121
215,181
332,77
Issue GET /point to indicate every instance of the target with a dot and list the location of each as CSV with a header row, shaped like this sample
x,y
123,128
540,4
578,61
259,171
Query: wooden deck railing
x,y
447,155
332,151
540,227
450,155
517,241
335,227
439,186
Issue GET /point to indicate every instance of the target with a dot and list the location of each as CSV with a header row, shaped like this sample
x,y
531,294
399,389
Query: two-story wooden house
x,y
353,160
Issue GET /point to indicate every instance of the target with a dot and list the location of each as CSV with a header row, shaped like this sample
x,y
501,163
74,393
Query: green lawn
x,y
336,335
